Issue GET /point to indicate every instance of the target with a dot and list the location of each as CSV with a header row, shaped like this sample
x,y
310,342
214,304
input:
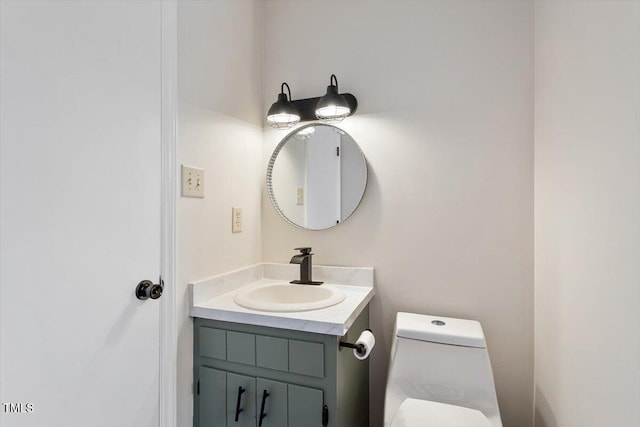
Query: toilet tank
x,y
442,360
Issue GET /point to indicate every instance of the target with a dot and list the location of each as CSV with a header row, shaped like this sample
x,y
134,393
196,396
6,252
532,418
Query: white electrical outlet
x,y
300,196
236,220
192,182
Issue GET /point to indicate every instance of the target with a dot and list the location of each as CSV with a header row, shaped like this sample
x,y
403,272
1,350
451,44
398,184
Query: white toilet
x,y
439,375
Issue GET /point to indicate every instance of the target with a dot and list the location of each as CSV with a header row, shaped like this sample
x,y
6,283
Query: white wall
x,y
445,119
352,176
587,198
289,172
220,130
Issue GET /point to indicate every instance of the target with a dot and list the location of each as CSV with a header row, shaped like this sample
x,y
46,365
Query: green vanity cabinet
x,y
212,389
270,377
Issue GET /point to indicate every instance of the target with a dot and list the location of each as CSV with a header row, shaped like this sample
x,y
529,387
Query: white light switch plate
x,y
192,182
236,220
300,196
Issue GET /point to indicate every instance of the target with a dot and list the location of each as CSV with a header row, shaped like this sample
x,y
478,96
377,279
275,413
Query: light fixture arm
x,y
333,77
288,89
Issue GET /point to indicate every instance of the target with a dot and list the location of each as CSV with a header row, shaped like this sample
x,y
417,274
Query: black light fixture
x,y
283,114
332,107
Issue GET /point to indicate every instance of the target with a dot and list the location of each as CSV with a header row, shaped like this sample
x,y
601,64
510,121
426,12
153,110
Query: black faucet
x,y
304,259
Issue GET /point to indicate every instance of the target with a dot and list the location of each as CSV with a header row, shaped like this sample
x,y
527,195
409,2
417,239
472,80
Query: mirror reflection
x,y
317,176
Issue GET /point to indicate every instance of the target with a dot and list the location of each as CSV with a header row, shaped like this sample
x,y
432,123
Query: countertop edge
x,y
264,319
326,328
359,309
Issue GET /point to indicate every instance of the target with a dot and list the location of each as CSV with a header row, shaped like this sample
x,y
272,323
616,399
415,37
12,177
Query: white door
x,y
323,179
80,186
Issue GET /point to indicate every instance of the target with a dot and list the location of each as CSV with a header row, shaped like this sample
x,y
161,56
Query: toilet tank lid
x,y
438,329
424,413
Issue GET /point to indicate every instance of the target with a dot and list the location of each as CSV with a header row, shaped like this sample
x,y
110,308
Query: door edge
x,y
168,336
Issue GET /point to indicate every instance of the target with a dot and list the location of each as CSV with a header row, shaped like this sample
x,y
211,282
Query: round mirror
x,y
316,176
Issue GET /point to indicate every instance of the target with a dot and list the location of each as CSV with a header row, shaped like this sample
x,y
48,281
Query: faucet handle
x,y
304,251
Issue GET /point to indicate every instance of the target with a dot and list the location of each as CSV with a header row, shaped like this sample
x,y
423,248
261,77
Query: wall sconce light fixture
x,y
283,114
332,107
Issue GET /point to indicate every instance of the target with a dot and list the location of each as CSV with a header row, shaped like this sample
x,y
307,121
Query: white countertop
x,y
213,298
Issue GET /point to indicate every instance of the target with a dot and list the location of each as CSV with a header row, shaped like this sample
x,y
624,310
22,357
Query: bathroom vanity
x,y
280,369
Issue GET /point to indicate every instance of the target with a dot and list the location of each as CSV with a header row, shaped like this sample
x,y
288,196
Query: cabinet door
x,y
241,401
212,398
275,403
304,406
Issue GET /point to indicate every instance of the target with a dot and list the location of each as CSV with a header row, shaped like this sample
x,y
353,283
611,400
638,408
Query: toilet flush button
x,y
438,322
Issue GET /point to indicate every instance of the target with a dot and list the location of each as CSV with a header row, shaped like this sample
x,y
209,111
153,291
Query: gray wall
x,y
587,168
445,91
220,130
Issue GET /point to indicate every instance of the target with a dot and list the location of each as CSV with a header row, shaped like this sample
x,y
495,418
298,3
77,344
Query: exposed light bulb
x,y
333,113
283,120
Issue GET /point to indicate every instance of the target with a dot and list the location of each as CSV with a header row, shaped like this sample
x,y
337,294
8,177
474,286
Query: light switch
x,y
236,220
192,182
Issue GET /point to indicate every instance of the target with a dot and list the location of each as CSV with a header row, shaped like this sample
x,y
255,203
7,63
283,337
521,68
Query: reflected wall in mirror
x,y
316,176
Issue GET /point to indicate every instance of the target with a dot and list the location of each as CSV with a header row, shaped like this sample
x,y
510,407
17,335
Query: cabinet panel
x,y
306,358
213,343
275,407
308,366
272,353
212,398
304,406
242,389
241,348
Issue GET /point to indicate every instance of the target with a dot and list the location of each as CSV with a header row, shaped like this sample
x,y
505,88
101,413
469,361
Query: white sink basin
x,y
285,297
